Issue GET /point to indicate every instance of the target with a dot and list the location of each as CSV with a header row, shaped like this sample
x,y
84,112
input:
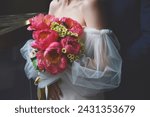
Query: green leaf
x,y
34,62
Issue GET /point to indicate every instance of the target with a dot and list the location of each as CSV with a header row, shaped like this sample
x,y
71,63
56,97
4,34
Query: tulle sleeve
x,y
31,73
100,66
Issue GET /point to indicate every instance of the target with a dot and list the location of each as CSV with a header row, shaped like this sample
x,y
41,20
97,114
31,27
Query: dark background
x,y
13,82
23,6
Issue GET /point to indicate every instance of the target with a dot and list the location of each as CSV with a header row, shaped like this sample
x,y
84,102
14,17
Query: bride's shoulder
x,y
93,13
53,6
90,3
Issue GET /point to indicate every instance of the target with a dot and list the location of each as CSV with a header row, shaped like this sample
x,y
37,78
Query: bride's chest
x,y
71,12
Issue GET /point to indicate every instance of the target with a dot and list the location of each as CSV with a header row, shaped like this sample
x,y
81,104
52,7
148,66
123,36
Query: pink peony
x,y
55,61
52,59
72,25
41,22
40,59
71,45
43,38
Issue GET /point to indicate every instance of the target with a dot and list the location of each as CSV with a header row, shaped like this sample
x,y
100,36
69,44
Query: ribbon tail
x,y
41,94
46,92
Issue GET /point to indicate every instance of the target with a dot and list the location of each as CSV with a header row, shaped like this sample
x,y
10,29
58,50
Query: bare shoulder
x,y
53,6
90,4
93,13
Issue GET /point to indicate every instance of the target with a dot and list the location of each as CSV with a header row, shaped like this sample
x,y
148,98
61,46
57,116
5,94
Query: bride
x,y
97,71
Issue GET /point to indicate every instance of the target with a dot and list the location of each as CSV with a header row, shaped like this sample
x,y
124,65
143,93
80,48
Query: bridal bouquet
x,y
57,42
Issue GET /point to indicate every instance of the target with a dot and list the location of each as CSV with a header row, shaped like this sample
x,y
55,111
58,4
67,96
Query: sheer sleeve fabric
x,y
100,66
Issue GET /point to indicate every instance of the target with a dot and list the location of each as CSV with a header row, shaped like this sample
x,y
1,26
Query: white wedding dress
x,y
97,71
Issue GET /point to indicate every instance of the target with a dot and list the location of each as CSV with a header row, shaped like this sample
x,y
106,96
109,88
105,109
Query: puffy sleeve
x,y
31,73
100,66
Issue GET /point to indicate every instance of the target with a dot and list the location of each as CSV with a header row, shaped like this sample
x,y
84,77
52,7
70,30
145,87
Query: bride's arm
x,y
101,70
94,18
93,14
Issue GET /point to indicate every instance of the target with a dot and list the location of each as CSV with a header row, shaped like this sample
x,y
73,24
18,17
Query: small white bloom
x,y
32,54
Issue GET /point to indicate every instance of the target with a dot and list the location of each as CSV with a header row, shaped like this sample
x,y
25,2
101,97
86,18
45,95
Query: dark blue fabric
x,y
130,20
141,47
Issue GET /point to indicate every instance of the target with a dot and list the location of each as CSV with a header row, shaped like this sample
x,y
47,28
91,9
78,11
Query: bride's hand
x,y
54,92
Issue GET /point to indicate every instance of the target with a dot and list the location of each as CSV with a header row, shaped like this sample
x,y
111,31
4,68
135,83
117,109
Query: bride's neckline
x,y
59,17
86,29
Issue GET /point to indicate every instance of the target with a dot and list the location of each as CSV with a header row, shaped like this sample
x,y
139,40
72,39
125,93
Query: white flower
x,y
32,54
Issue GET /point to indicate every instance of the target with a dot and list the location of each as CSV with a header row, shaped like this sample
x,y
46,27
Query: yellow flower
x,y
70,56
62,30
76,57
64,50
